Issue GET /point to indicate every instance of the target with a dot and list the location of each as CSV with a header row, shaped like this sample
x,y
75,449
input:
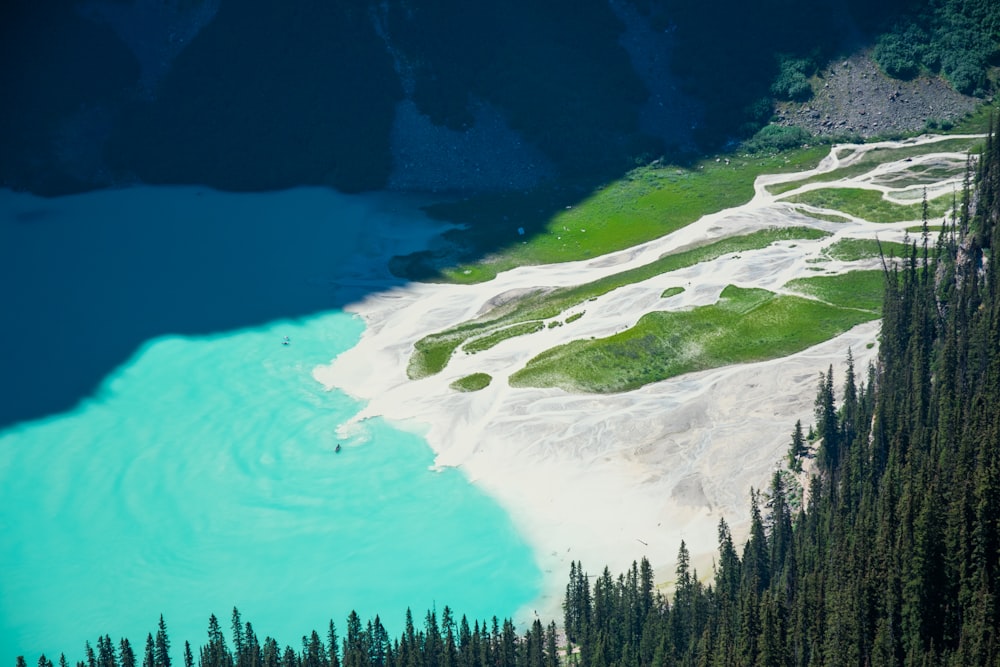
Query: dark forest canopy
x,y
271,95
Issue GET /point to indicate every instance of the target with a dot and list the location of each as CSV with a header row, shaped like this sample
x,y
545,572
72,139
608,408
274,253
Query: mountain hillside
x,y
359,95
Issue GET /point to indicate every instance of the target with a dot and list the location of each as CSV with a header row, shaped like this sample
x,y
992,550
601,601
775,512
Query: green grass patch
x,y
496,337
852,250
431,353
877,156
574,317
671,291
828,217
870,205
927,174
978,122
562,225
473,382
745,325
857,290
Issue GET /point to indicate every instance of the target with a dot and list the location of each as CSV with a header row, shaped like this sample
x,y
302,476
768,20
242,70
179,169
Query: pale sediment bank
x,y
607,479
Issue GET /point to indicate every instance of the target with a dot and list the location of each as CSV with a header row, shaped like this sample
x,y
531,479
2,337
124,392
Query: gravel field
x,y
853,97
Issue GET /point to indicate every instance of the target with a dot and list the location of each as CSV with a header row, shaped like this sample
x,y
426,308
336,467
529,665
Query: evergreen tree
x,y
355,650
148,659
126,656
331,642
161,657
313,651
251,646
552,646
239,650
271,654
106,653
216,652
682,619
827,424
798,449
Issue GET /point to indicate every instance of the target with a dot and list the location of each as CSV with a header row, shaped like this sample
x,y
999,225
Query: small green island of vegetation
x,y
473,382
870,205
745,325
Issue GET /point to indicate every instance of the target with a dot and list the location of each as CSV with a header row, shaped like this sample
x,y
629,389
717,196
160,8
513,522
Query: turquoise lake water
x,y
200,472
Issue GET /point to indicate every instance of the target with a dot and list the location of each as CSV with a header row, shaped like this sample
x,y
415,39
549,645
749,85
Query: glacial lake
x,y
162,451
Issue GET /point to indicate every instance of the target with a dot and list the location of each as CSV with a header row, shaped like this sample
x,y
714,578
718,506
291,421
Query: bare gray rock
x,y
853,97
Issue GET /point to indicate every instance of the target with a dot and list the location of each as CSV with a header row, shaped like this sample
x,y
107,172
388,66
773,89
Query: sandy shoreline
x,y
607,479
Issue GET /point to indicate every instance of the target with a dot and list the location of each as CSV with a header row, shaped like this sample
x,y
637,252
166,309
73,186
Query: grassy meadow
x,y
744,325
563,224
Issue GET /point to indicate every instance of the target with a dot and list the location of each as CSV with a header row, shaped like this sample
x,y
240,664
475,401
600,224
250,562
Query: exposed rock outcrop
x,y
853,97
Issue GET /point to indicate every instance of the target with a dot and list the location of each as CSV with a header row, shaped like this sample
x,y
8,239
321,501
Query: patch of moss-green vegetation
x,y
574,317
745,325
671,291
496,337
926,174
473,382
828,217
978,122
869,205
431,353
787,186
856,290
880,155
563,224
852,250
